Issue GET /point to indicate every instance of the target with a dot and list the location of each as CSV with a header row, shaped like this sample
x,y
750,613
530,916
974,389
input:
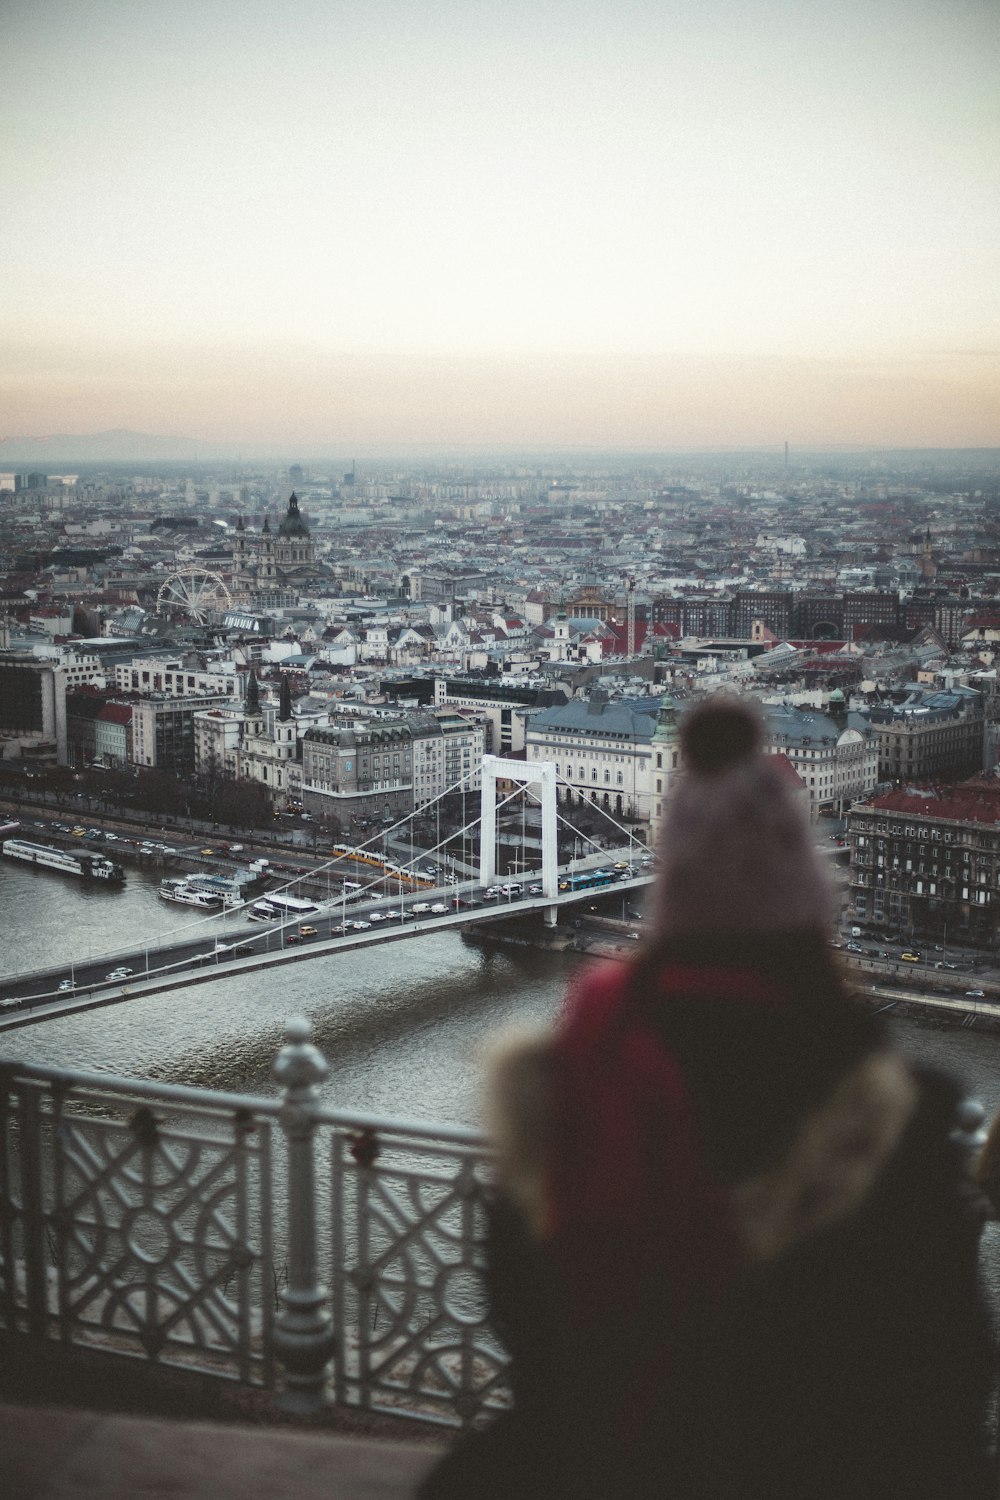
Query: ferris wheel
x,y
194,592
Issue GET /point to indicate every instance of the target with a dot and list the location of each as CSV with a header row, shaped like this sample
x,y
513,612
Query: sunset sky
x,y
335,225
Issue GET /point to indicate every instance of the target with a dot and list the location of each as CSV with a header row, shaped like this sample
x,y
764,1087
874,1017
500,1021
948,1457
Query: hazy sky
x,y
645,223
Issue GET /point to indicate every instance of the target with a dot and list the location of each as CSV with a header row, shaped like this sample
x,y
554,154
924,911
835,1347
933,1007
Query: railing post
x,y
303,1334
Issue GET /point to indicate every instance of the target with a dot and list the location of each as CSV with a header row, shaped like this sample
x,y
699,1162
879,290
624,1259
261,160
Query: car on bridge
x,y
120,973
66,986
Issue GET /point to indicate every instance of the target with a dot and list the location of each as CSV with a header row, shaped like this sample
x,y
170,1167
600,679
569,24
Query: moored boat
x,y
79,862
185,894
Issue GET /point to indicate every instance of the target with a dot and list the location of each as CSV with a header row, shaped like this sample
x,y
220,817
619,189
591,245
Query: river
x,y
404,1025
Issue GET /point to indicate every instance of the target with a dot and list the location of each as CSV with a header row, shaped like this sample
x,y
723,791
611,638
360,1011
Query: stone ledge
x,y
53,1454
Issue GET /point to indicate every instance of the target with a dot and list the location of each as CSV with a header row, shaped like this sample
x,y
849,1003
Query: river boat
x,y
226,889
82,863
277,904
184,894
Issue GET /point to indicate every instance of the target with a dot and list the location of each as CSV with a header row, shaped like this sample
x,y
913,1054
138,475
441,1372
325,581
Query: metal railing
x,y
164,1223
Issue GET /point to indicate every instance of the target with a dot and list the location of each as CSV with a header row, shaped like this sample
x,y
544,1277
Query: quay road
x,y
338,925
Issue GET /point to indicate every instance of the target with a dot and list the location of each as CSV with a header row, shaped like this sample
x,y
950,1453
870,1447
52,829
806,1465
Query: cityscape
x,y
343,645
411,419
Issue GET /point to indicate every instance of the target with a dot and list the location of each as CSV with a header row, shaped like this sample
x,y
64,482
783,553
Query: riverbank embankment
x,y
880,986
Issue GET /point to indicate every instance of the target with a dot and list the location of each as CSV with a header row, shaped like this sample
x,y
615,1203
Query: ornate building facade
x,y
270,568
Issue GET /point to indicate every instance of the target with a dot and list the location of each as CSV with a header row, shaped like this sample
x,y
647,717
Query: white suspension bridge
x,y
378,899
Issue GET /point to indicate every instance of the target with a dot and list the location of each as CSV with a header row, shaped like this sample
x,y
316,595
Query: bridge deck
x,y
179,965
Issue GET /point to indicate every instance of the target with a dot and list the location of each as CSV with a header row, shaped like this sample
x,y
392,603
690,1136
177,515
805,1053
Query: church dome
x,y
293,524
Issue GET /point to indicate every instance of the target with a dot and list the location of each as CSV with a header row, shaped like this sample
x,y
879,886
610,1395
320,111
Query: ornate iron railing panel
x,y
127,1228
409,1299
137,1218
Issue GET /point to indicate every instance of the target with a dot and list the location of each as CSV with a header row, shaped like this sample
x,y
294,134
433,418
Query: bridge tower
x,y
543,775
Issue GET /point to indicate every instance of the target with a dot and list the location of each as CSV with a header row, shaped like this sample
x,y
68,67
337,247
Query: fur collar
x,y
825,1176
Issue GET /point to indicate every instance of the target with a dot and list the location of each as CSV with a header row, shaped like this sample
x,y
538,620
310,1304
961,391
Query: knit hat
x,y
735,846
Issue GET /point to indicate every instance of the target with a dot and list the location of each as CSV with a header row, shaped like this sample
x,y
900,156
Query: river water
x,y
404,1025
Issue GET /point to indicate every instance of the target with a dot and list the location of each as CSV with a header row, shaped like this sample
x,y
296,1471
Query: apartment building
x,y
180,677
928,860
603,752
930,736
507,709
835,754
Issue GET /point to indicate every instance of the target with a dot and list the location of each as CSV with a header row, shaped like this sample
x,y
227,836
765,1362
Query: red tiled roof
x,y
115,713
789,772
978,802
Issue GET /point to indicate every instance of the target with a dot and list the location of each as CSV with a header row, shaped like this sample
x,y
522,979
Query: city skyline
x,y
352,226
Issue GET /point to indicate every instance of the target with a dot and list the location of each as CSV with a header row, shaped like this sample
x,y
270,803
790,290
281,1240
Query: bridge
x,y
389,901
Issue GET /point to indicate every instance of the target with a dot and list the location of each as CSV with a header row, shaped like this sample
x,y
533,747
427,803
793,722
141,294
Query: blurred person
x,y
728,1253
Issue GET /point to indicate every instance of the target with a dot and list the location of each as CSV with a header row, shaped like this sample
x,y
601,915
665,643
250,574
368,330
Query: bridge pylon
x,y
541,774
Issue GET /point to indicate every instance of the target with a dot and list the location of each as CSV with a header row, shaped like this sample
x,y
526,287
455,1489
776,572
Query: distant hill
x,y
119,445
